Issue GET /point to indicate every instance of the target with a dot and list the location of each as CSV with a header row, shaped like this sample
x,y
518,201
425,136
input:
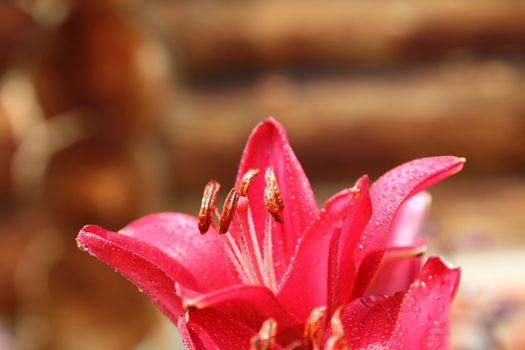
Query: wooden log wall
x,y
356,124
225,37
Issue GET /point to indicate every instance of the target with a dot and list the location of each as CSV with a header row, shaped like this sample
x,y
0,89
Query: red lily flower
x,y
279,273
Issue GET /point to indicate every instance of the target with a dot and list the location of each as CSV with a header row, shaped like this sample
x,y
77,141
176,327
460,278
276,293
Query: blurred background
x,y
111,109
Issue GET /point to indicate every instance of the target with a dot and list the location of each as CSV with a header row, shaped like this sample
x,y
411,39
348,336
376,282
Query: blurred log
x,y
6,152
360,124
219,37
103,60
15,29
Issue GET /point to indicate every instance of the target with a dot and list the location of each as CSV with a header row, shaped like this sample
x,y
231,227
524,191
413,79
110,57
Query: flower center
x,y
253,262
314,331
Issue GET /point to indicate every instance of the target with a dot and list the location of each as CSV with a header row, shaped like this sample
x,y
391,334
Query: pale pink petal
x,y
388,193
408,223
398,269
268,147
417,319
312,277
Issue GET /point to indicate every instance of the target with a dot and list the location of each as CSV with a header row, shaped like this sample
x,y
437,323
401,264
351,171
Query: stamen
x,y
209,198
272,196
313,325
233,252
228,210
248,238
246,180
265,340
294,345
253,262
337,340
270,279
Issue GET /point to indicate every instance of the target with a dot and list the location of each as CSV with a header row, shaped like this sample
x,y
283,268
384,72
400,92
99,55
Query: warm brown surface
x,y
215,38
344,124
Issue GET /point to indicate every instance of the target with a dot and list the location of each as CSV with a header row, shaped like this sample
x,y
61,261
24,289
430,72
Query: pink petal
x,y
267,147
426,307
156,251
352,243
212,329
408,222
190,340
147,276
177,236
398,269
249,304
418,319
311,278
388,193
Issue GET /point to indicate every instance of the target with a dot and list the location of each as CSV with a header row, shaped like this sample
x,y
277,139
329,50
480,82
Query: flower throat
x,y
240,242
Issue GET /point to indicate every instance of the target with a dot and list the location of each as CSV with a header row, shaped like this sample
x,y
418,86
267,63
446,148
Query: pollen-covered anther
x,y
228,211
313,326
265,339
246,180
337,340
209,198
272,196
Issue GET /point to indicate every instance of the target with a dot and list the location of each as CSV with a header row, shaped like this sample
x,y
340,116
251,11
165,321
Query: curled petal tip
x,y
89,230
461,163
441,261
80,245
272,123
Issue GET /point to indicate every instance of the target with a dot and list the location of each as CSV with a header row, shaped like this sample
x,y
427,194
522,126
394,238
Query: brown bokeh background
x,y
113,109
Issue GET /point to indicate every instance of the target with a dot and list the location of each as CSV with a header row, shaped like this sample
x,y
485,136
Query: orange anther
x,y
265,339
228,210
313,325
247,178
209,198
272,196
